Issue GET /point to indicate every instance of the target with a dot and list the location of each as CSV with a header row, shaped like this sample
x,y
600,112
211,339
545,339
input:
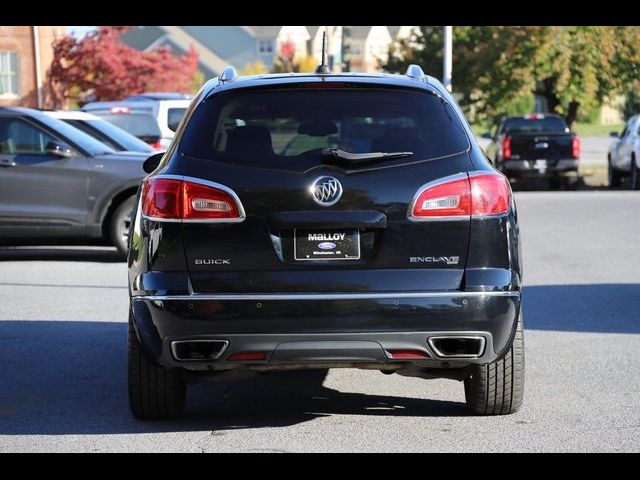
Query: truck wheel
x,y
614,175
155,392
119,225
498,388
635,175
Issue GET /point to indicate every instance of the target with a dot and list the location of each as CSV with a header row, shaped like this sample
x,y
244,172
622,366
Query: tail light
x,y
156,145
176,199
575,147
506,148
461,197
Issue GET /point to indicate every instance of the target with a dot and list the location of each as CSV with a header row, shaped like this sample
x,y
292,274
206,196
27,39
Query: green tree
x,y
495,68
631,105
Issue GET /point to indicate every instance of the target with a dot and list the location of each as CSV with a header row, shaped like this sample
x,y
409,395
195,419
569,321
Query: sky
x,y
79,31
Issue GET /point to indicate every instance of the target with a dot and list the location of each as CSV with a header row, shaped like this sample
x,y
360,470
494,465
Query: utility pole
x,y
448,62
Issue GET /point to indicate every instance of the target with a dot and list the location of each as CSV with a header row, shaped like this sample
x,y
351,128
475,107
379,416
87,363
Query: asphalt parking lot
x,y
63,317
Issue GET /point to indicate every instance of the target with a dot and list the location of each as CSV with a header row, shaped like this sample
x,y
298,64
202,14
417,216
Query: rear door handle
x,y
7,162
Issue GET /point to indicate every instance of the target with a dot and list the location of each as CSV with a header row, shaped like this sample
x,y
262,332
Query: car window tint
x,y
20,137
288,128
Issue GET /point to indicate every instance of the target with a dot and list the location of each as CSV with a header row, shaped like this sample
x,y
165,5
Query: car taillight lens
x,y
162,198
447,199
156,145
478,195
506,148
490,194
205,202
575,147
174,199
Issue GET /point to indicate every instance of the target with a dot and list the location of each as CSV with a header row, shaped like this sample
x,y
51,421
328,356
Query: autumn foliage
x,y
101,67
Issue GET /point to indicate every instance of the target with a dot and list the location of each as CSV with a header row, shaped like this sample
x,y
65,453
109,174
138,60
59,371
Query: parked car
x,y
624,153
152,119
536,145
388,243
58,183
102,130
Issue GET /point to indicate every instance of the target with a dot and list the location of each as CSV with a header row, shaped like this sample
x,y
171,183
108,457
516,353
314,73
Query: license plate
x,y
540,165
326,244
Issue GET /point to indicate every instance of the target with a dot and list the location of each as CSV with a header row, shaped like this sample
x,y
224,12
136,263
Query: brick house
x,y
25,55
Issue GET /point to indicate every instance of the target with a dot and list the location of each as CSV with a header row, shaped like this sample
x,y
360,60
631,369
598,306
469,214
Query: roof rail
x,y
415,72
229,74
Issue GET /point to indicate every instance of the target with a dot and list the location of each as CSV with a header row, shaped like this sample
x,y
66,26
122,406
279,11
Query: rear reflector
x,y
461,197
407,354
172,199
244,356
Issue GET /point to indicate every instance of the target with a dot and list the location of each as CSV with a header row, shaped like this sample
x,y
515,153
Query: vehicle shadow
x,y
61,254
63,377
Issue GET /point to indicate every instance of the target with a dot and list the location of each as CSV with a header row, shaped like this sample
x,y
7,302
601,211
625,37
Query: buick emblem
x,y
326,191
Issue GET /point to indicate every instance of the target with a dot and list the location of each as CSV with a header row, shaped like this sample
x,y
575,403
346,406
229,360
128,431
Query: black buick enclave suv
x,y
324,221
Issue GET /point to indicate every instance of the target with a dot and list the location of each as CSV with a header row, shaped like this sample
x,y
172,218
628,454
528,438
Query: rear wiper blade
x,y
336,155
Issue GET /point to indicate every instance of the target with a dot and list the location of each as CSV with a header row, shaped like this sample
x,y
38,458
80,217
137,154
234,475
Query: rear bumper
x,y
328,330
529,168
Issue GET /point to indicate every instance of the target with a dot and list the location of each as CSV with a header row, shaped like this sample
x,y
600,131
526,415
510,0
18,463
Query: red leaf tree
x,y
101,67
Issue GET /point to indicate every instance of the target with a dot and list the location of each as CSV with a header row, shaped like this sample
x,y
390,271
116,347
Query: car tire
x,y
635,174
119,225
155,392
615,178
498,388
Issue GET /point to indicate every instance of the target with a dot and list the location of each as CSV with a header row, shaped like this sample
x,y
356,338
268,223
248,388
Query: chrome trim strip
x,y
323,296
222,350
439,354
208,183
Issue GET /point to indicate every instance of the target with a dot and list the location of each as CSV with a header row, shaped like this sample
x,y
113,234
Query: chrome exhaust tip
x,y
198,350
458,346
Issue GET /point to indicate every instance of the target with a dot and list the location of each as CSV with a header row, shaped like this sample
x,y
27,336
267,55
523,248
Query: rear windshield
x,y
289,128
535,125
142,125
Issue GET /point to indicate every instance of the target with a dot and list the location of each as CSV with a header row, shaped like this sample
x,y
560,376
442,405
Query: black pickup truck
x,y
535,145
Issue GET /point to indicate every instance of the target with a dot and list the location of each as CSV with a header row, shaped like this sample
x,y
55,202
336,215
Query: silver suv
x,y
152,117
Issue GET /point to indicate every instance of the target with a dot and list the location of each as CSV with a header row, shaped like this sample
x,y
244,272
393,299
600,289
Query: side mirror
x,y
59,149
151,163
486,135
614,135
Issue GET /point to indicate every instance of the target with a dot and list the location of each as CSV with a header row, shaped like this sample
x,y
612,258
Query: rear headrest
x,y
249,141
399,140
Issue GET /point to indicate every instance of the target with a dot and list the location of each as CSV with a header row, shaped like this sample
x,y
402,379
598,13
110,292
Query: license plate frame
x,y
345,249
